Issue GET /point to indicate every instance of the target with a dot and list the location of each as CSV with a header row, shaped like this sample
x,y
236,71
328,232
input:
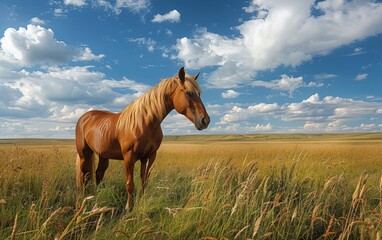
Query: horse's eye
x,y
189,94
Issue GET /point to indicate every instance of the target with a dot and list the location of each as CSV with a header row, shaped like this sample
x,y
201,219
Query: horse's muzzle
x,y
202,123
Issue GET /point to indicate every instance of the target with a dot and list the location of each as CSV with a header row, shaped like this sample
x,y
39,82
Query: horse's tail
x,y
79,180
93,160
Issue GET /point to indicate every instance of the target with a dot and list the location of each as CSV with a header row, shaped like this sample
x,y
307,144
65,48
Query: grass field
x,y
202,187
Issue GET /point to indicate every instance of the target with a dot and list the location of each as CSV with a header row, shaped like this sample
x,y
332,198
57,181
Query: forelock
x,y
191,85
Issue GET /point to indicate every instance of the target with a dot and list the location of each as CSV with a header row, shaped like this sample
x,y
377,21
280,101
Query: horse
x,y
135,133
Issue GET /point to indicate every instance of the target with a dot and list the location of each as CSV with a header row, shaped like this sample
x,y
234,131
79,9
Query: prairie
x,y
276,186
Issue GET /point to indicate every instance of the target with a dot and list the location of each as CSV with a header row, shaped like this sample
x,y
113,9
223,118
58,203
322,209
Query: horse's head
x,y
186,100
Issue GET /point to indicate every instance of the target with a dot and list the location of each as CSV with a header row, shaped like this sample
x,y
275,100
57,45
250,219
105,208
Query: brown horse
x,y
135,133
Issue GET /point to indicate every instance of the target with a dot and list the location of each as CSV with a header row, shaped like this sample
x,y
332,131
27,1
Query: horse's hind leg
x,y
103,164
85,170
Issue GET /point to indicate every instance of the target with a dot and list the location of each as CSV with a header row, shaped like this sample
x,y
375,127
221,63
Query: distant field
x,y
280,137
263,186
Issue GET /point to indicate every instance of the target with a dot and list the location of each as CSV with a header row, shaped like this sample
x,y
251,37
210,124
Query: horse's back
x,y
93,119
96,129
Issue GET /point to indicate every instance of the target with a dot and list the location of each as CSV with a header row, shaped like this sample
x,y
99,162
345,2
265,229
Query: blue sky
x,y
298,66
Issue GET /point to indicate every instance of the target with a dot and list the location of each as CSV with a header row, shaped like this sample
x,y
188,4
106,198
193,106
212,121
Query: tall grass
x,y
291,196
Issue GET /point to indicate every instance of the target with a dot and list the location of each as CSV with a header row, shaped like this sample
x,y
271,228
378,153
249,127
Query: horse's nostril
x,y
205,120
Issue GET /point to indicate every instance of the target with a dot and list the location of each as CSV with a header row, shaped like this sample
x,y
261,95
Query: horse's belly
x,y
112,155
109,149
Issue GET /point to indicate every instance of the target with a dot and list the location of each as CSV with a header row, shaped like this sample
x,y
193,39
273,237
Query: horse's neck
x,y
169,107
149,111
158,118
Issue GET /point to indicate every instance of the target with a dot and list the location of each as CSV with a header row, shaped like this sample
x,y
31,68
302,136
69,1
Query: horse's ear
x,y
182,74
196,76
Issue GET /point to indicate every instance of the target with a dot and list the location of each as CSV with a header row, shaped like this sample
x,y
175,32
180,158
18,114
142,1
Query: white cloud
x,y
87,55
34,45
135,5
39,127
338,126
132,5
330,113
313,126
168,32
218,110
286,83
242,128
176,123
172,16
52,97
230,94
37,21
127,84
67,112
251,8
147,42
50,92
312,99
367,127
288,35
323,76
59,85
59,12
61,129
262,128
361,76
77,3
313,114
238,114
357,51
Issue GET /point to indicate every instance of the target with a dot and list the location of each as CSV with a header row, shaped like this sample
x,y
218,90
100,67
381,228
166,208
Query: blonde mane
x,y
152,104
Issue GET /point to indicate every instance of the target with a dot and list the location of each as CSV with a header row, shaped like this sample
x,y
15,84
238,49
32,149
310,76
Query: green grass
x,y
201,187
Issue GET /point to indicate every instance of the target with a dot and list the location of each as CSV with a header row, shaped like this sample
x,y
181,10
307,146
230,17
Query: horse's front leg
x,y
145,169
129,159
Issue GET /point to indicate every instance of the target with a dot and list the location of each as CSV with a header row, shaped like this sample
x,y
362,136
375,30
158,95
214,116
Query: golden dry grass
x,y
201,187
